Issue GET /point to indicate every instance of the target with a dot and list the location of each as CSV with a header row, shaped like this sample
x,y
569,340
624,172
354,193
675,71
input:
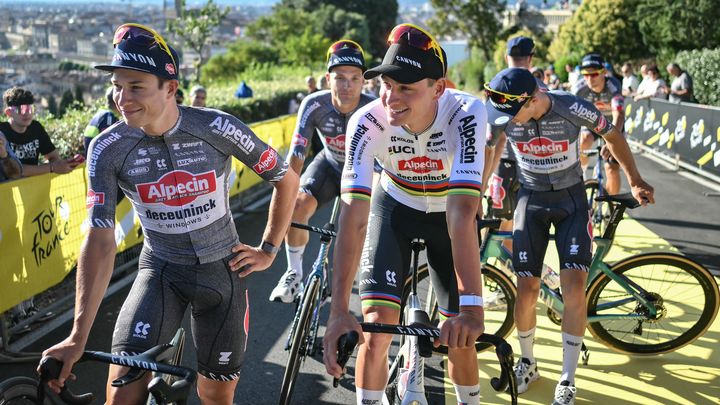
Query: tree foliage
x,y
703,66
196,28
66,102
379,15
478,20
604,26
239,56
670,26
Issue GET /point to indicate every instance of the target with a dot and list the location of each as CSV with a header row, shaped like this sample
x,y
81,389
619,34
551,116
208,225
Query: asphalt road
x,y
683,215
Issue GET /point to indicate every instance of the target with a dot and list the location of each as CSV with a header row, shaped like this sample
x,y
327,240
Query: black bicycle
x,y
170,384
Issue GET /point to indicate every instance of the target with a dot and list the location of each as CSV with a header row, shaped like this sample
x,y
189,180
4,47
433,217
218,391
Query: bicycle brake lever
x,y
50,368
346,346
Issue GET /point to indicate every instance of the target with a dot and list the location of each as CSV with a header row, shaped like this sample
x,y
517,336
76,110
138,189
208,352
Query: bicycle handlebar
x,y
321,231
147,361
503,350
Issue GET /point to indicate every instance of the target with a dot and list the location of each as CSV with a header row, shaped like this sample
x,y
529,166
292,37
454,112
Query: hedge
x,y
704,68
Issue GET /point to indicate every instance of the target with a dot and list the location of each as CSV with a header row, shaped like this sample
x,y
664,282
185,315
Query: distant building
x,y
548,20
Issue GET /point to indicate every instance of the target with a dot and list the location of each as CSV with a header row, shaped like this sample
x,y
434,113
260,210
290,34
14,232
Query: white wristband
x,y
471,301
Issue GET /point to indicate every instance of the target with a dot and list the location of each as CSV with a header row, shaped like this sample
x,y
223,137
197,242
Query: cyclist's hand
x,y
338,324
461,331
63,166
249,259
69,352
605,153
643,192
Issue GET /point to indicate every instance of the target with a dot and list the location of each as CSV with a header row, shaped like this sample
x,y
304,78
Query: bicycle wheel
x,y
499,293
20,391
298,349
685,293
599,211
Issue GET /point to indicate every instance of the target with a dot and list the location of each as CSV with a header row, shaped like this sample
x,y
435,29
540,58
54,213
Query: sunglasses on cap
x,y
142,35
498,97
417,38
23,109
593,73
343,44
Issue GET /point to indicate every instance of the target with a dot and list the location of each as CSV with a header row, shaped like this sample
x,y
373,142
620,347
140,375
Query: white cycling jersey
x,y
419,170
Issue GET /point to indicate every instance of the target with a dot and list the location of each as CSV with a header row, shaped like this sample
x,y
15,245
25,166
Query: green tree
x,y
66,102
337,23
380,16
607,27
238,57
52,105
478,20
195,27
670,26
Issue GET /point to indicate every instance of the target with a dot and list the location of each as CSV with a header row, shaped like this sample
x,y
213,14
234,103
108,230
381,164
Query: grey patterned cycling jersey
x,y
179,182
419,170
317,113
547,150
608,100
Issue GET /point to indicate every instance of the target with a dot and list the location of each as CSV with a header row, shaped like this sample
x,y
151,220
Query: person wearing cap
x,y
500,173
172,162
543,129
429,141
325,113
605,92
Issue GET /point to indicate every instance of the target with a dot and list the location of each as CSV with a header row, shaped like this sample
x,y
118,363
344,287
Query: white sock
x,y
527,340
468,394
571,354
294,257
365,397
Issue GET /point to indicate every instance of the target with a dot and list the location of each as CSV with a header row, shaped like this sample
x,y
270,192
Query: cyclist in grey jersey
x,y
605,92
543,128
174,164
327,113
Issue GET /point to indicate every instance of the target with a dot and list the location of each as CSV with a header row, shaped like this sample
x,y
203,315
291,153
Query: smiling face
x,y
411,105
346,83
143,102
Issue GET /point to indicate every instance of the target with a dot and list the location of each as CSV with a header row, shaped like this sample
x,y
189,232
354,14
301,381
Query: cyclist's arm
x,y
461,210
619,148
281,208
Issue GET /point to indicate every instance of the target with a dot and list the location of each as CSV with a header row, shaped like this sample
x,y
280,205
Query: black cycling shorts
x,y
321,180
504,186
386,256
156,304
567,210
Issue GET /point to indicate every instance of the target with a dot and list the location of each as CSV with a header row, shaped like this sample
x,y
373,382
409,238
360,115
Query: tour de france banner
x,y
43,221
691,131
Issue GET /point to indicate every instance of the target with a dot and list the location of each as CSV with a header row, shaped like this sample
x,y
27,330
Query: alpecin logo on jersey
x,y
268,161
420,164
336,142
94,199
223,127
299,140
601,126
176,188
583,112
542,147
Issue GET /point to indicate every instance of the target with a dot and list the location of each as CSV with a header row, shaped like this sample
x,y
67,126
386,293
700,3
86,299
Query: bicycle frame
x,y
492,248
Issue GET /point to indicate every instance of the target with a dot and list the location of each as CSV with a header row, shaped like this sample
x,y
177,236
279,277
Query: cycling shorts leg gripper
x,y
321,180
531,233
220,320
386,255
573,234
152,311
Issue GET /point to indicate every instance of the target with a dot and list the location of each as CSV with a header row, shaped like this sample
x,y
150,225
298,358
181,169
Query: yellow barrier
x,y
41,226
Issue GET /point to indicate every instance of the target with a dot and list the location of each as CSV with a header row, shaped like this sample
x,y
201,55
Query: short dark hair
x,y
18,96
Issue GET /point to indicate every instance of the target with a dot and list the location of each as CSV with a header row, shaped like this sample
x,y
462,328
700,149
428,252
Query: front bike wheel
x,y
20,391
599,211
499,293
300,339
684,292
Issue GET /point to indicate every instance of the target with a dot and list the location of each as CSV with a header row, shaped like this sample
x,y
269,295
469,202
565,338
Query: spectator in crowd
x,y
644,81
681,88
10,167
101,120
538,73
630,82
610,71
311,86
324,83
552,81
573,74
27,137
656,86
198,96
179,96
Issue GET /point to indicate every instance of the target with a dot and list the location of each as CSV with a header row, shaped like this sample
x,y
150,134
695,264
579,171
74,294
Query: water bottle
x,y
550,277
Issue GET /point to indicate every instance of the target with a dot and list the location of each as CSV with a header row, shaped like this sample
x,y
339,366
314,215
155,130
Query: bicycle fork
x,y
411,384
